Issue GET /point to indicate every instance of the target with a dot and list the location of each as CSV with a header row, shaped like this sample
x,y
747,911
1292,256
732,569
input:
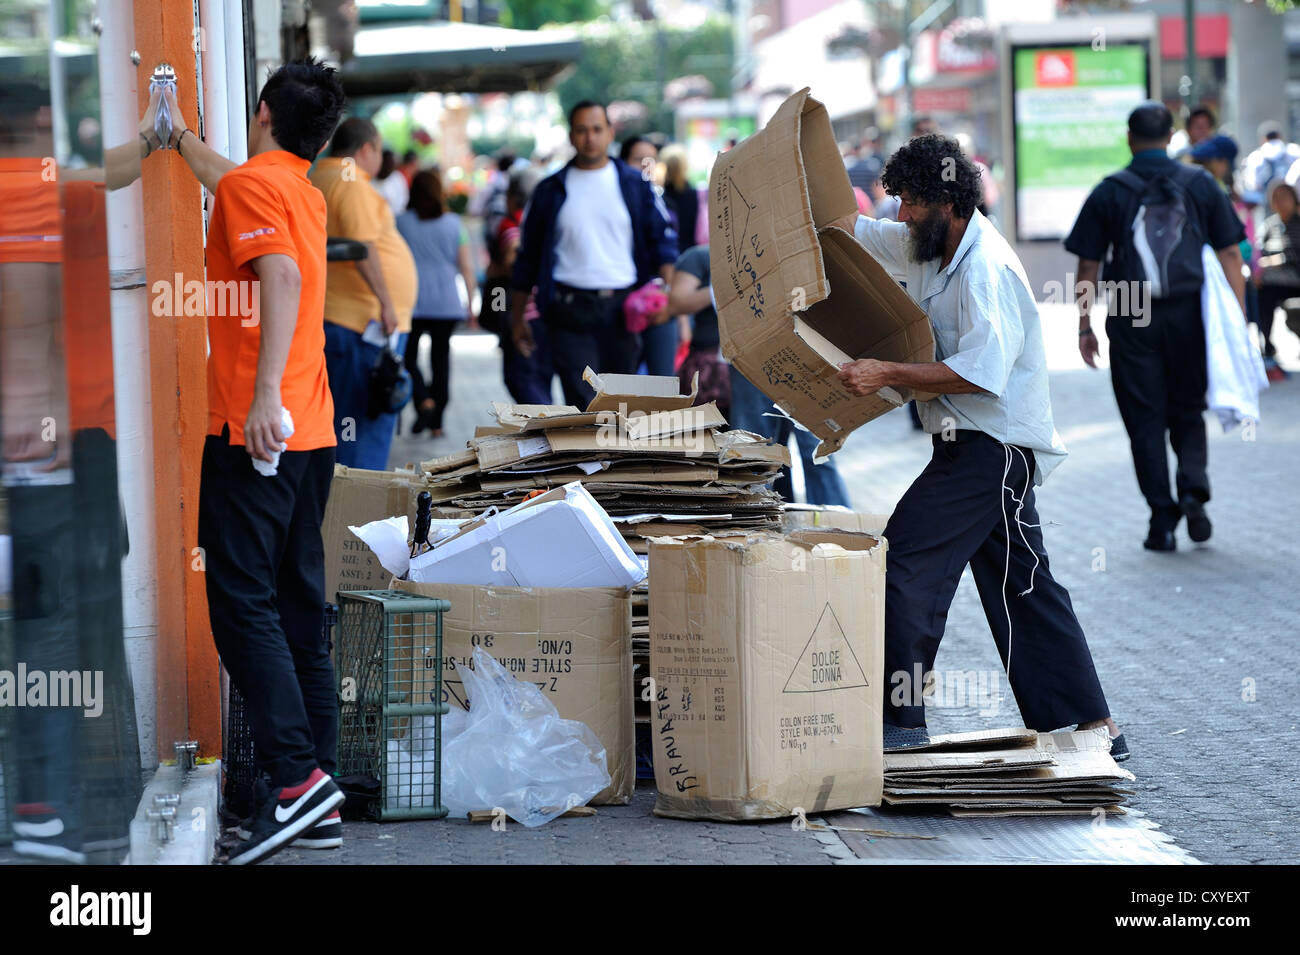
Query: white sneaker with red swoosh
x,y
288,814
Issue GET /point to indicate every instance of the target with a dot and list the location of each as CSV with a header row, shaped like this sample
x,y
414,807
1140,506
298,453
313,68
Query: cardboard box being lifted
x,y
795,295
767,655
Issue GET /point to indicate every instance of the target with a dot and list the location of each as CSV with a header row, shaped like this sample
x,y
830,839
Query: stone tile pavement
x,y
1197,650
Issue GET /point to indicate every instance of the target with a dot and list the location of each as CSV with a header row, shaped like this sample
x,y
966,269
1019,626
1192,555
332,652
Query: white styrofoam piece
x,y
565,541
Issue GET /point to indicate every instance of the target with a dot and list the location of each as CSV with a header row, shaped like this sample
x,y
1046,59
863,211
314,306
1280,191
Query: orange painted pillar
x,y
189,692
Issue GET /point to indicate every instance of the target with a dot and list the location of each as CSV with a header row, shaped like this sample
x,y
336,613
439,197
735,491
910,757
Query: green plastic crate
x,y
388,662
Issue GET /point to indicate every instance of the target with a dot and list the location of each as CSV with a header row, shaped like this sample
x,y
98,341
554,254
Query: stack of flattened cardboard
x,y
655,462
1009,772
658,464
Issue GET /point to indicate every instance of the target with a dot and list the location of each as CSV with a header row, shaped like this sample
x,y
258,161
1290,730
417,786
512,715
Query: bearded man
x,y
993,439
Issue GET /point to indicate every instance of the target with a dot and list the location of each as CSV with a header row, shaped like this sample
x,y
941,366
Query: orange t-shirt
x,y
356,210
87,308
29,198
267,206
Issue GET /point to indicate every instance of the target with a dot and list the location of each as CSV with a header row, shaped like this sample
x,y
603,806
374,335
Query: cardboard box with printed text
x,y
767,656
358,497
574,643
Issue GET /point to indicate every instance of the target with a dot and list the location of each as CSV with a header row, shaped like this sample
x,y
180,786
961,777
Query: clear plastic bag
x,y
511,750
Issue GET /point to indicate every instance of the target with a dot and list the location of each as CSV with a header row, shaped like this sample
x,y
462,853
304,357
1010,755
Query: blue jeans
x,y
823,485
659,348
528,379
364,442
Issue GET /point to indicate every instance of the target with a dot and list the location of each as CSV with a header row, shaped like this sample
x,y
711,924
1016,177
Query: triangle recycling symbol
x,y
827,661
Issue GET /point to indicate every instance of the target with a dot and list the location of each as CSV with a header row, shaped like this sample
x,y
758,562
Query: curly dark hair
x,y
932,169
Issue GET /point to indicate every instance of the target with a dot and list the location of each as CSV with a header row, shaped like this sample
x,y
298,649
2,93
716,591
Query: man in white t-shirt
x,y
593,232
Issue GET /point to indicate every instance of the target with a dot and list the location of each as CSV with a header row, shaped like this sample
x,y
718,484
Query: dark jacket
x,y
1284,238
685,205
654,241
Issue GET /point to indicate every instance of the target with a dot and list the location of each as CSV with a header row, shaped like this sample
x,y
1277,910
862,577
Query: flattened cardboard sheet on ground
x,y
797,296
966,812
977,761
1076,741
975,739
1003,801
1017,768
1065,791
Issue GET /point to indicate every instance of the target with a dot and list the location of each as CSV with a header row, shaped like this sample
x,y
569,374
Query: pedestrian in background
x,y
409,166
440,245
1218,155
659,343
594,232
527,378
1199,127
924,125
681,198
367,302
1278,276
690,296
642,155
1157,347
392,185
1273,161
865,172
683,203
490,203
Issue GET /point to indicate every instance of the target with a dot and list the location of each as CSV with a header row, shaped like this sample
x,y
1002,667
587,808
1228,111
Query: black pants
x,y
266,599
588,330
68,544
1271,298
1159,376
951,516
439,331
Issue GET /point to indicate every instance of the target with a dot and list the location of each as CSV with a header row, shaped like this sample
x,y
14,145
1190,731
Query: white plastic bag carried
x,y
1235,368
511,750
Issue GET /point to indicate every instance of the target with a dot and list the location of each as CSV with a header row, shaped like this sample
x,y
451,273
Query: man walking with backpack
x,y
1149,222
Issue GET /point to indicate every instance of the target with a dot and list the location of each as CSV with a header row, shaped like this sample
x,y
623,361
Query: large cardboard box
x,y
767,655
795,295
574,643
358,497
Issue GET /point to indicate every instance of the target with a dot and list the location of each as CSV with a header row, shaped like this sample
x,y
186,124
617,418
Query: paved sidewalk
x,y
1196,649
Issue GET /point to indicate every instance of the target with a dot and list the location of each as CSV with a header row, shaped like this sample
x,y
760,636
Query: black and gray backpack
x,y
1162,243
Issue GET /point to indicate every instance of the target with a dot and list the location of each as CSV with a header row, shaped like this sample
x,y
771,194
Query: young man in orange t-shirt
x,y
260,532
